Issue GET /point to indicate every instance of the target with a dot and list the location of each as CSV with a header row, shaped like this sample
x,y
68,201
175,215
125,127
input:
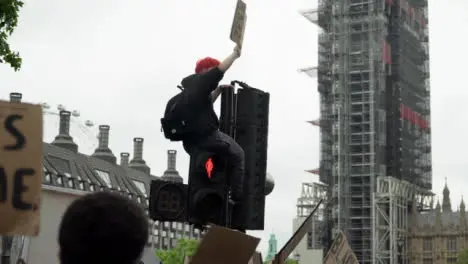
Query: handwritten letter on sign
x,y
239,22
20,168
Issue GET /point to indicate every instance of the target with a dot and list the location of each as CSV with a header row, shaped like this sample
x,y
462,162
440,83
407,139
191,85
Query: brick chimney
x,y
16,97
63,139
103,151
171,174
138,163
124,158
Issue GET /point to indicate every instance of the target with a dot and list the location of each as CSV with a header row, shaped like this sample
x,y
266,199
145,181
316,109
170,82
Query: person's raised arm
x,y
227,63
209,80
223,67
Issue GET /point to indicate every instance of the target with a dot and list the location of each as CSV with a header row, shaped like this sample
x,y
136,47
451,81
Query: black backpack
x,y
176,121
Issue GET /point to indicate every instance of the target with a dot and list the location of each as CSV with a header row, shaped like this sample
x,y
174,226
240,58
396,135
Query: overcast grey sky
x,y
118,62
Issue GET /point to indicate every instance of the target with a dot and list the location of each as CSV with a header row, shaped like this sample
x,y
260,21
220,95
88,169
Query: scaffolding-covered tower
x,y
373,80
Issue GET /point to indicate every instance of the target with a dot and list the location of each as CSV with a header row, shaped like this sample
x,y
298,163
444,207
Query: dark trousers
x,y
226,147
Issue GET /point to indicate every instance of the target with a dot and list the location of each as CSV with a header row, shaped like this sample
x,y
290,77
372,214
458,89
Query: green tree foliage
x,y
463,257
9,10
185,247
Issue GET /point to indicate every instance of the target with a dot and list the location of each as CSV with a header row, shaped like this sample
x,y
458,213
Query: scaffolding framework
x,y
392,207
373,80
311,194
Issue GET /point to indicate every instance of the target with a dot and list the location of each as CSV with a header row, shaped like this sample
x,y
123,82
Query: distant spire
x,y
438,216
272,247
462,205
462,215
446,204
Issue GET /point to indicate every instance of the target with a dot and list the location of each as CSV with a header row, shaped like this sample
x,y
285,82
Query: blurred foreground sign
x,y
20,168
239,22
340,252
223,245
256,258
292,243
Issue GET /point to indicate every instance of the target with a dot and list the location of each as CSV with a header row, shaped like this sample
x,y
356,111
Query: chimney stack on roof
x,y
16,97
103,151
171,174
138,163
63,139
124,158
171,159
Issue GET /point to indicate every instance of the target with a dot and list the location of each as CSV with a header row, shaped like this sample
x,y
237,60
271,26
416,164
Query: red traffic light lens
x,y
209,166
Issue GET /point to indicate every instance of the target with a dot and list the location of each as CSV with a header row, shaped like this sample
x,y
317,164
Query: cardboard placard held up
x,y
239,23
20,168
340,251
227,246
296,238
256,258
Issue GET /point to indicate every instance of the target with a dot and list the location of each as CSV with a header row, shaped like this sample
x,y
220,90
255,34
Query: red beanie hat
x,y
206,63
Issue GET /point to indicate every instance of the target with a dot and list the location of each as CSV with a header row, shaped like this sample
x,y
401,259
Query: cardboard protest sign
x,y
227,246
239,23
20,168
340,252
292,243
256,258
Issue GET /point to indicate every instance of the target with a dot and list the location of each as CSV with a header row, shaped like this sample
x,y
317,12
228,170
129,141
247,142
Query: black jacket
x,y
197,91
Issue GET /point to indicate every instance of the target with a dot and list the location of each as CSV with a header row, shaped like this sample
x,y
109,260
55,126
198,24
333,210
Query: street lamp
x,y
400,242
297,257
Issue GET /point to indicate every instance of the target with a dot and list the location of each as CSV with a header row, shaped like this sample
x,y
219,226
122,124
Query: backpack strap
x,y
180,87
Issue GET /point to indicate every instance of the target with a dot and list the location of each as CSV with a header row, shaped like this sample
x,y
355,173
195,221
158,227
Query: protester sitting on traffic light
x,y
202,91
103,227
190,117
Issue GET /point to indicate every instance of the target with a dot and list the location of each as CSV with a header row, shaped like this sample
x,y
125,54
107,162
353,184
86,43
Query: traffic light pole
x,y
228,119
228,112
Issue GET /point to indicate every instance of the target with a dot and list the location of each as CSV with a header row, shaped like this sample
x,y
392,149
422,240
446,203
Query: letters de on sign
x,y
20,168
239,22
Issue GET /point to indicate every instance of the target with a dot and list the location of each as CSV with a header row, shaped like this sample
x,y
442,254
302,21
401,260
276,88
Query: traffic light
x,y
244,116
207,189
168,201
252,113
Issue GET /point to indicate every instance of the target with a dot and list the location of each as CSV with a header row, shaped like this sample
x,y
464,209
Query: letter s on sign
x,y
11,129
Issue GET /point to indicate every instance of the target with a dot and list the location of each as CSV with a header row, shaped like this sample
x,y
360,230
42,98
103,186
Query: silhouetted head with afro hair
x,y
103,227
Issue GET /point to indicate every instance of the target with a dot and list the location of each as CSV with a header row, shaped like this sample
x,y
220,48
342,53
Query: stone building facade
x,y
438,236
